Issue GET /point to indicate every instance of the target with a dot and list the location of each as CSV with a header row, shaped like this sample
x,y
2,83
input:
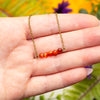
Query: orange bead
x,y
59,50
50,53
55,52
41,55
45,54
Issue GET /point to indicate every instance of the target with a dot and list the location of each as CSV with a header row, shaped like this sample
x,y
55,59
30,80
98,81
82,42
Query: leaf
x,y
23,7
88,89
42,97
27,99
93,11
83,11
33,98
59,97
52,94
98,12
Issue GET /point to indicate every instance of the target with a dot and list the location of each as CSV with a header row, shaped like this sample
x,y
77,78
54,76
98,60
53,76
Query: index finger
x,y
44,25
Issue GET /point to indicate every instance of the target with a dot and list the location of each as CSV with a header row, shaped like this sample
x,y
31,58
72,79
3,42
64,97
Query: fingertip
x,y
73,76
89,71
86,20
81,74
94,20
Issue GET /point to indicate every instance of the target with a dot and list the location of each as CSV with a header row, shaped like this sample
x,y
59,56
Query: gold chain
x,y
36,54
64,49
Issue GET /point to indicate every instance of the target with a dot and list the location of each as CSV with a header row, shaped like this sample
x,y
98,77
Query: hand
x,y
22,76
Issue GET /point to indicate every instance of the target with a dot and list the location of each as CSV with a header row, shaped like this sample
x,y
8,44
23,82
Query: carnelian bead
x,y
45,54
55,52
50,53
59,50
41,55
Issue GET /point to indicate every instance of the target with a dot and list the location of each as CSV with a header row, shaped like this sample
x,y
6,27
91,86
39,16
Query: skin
x,y
23,76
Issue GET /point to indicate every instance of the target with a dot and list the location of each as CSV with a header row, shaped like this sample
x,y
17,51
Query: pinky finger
x,y
41,84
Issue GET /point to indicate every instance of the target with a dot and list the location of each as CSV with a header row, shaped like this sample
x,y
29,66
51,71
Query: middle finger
x,y
73,41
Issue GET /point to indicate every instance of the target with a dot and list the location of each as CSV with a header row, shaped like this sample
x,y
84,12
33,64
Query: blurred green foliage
x,y
22,7
95,10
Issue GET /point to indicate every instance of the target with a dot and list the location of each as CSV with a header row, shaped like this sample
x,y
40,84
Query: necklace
x,y
50,53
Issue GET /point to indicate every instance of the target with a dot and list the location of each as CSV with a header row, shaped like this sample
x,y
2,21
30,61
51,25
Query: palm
x,y
22,75
15,60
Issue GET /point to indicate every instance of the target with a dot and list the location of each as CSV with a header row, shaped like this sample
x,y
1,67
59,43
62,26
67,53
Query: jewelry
x,y
50,53
64,49
36,56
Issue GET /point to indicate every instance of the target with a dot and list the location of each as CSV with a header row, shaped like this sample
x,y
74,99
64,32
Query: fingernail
x,y
89,71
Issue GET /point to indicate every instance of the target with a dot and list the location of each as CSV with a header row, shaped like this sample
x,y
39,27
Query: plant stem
x,y
5,12
90,88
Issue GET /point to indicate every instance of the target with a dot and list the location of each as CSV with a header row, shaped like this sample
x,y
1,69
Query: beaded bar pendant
x,y
51,53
